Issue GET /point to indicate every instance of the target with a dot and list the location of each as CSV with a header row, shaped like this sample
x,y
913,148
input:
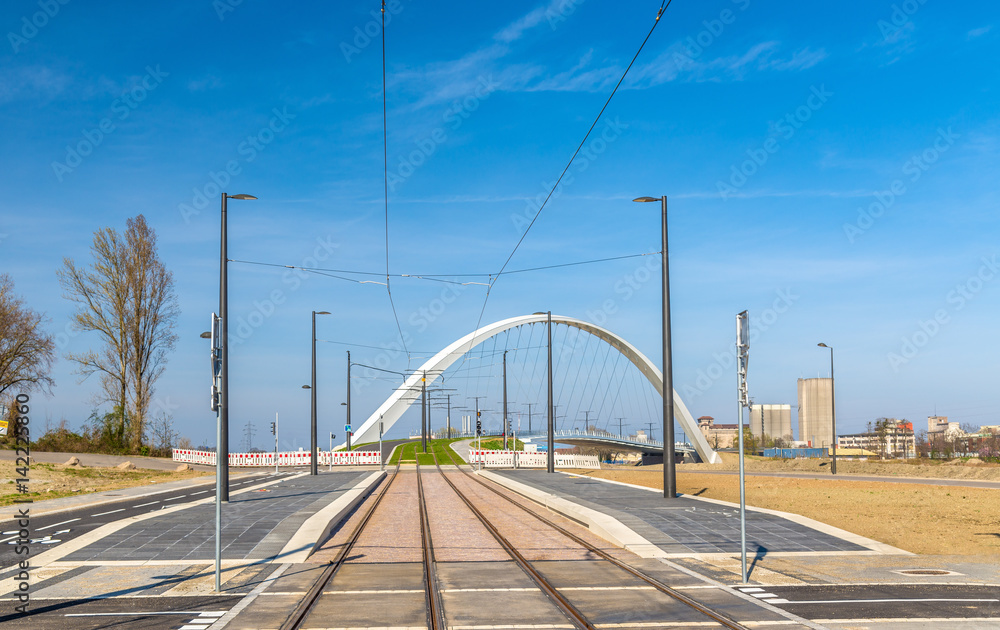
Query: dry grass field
x,y
51,481
923,519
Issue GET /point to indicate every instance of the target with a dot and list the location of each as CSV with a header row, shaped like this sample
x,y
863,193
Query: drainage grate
x,y
927,572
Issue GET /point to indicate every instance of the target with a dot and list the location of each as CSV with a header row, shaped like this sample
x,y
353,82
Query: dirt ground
x,y
919,518
51,481
956,469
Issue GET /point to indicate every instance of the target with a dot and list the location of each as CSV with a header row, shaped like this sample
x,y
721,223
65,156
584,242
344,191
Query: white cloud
x,y
978,32
32,83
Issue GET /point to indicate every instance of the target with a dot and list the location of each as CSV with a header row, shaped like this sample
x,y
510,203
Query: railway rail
x,y
435,612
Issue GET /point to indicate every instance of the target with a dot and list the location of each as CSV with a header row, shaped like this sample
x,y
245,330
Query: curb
x,y
317,527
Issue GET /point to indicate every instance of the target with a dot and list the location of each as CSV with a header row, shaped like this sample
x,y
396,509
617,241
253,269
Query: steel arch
x,y
392,409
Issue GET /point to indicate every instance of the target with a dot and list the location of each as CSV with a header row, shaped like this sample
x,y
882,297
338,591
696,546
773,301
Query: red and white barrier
x,y
521,459
291,458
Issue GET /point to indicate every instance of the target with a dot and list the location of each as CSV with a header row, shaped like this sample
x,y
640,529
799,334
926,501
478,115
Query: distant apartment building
x,y
816,411
772,420
718,435
894,440
939,424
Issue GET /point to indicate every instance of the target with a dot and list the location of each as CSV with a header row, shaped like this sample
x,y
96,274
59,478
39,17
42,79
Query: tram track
x,y
560,604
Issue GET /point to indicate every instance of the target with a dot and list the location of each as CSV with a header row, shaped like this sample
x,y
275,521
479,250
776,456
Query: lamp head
x,y
306,387
241,196
822,345
321,312
206,335
645,199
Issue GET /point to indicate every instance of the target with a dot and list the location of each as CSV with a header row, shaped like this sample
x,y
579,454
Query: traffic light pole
x,y
274,430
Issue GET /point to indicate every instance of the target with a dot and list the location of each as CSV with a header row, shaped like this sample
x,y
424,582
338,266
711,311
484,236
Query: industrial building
x,y
718,435
771,420
816,411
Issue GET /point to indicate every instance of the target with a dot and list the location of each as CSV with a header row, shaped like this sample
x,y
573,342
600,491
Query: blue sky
x,y
831,168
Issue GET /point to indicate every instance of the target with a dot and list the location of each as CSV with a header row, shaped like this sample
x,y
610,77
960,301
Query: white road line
x,y
202,492
145,504
752,590
175,498
6,539
888,601
921,620
134,614
72,520
106,513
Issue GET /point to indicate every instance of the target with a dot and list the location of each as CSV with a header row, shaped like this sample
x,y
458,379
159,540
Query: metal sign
x,y
743,355
216,355
347,428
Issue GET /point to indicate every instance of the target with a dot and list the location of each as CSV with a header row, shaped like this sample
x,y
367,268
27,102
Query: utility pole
x,y
506,429
620,433
550,464
529,416
651,429
586,420
349,429
423,411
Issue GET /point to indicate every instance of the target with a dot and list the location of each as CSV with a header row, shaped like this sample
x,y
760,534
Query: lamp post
x,y
833,414
347,425
669,470
215,338
312,430
222,448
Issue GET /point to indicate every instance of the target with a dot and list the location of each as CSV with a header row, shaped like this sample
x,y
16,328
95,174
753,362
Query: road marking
x,y
175,498
72,520
202,492
145,504
921,620
404,591
607,588
134,614
893,601
106,513
752,589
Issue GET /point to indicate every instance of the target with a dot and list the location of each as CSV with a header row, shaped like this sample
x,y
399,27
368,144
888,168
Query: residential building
x,y
890,438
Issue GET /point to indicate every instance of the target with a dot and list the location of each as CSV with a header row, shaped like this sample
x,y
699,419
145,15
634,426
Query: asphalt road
x,y
386,447
153,613
102,461
883,601
48,530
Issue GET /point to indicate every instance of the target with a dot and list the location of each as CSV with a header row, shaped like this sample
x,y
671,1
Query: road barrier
x,y
521,459
290,458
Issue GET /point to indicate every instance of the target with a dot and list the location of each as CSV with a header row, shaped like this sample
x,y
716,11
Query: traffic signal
x,y
272,428
479,423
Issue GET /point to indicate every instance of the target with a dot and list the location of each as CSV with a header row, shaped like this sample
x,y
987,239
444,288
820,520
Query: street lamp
x,y
312,427
222,448
669,471
833,414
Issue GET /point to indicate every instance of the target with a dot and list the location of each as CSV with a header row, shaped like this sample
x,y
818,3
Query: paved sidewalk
x,y
686,526
255,525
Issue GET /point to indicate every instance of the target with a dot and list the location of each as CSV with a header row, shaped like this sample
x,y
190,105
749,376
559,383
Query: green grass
x,y
497,445
441,448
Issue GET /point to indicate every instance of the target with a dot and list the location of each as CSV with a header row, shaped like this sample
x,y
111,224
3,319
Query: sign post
x,y
743,358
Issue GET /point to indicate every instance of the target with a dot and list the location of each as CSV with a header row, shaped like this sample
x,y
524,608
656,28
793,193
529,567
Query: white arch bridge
x,y
406,394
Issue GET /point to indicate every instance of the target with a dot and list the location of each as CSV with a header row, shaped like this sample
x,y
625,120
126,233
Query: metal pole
x,y
222,445
331,453
218,507
550,463
423,412
312,391
448,419
743,503
381,457
506,429
350,433
833,413
669,471
276,442
529,418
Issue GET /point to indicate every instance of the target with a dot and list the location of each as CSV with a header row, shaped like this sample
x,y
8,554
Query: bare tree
x,y
26,351
162,432
127,297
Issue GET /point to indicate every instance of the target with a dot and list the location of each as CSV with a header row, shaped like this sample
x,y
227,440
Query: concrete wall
x,y
815,411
